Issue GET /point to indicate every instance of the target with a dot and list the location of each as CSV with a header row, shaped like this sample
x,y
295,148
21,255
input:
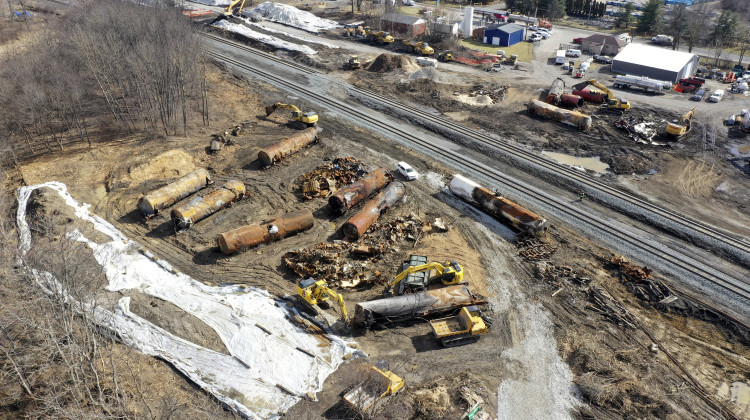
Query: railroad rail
x,y
735,243
683,264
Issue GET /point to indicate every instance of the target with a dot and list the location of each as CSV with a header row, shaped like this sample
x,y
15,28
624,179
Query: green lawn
x,y
523,49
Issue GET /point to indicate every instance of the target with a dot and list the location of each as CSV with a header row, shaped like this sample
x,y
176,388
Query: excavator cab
x,y
317,292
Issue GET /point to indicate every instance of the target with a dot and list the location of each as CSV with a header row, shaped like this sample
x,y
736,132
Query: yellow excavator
x,y
316,292
307,118
612,102
230,9
449,273
681,127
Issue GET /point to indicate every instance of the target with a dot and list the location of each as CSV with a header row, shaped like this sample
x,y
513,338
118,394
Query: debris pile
x,y
533,249
224,138
558,273
328,178
609,307
495,92
638,129
346,264
640,282
387,62
430,73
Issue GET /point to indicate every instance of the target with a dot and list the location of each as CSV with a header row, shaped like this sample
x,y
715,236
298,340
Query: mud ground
x,y
616,373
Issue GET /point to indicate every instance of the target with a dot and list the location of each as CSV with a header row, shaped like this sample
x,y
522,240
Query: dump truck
x,y
464,328
381,37
379,383
353,63
421,47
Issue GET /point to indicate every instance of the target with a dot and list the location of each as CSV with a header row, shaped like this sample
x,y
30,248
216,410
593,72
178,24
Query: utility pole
x,y
589,20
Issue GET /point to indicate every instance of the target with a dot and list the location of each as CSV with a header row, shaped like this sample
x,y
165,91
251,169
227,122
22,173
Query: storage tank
x,y
199,208
272,230
151,203
571,100
555,92
592,95
468,22
503,209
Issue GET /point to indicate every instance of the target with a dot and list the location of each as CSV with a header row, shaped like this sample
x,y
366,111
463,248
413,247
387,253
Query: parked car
x,y
534,38
698,95
407,171
716,96
544,35
578,40
533,28
547,30
602,59
407,2
573,53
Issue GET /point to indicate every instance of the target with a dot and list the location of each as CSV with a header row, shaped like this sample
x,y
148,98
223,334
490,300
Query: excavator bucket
x,y
270,109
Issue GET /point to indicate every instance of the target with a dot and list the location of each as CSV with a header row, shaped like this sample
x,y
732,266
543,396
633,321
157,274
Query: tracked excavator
x,y
681,127
307,118
448,273
231,10
317,292
612,102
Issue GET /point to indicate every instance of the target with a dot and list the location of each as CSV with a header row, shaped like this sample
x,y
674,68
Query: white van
x,y
573,53
560,59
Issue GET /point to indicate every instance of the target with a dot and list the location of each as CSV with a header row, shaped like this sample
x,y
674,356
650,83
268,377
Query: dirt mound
x,y
427,73
387,62
170,164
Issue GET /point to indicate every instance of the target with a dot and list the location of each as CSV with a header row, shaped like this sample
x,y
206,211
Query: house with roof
x,y
403,25
603,44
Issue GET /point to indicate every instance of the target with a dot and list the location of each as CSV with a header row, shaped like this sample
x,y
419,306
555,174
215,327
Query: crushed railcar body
x,y
157,200
414,305
272,230
503,209
357,191
358,224
275,153
199,208
566,116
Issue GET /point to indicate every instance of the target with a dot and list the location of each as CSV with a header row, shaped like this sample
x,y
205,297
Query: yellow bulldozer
x,y
465,328
310,119
353,63
681,127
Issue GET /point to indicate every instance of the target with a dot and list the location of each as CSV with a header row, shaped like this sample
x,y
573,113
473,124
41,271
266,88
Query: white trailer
x,y
560,58
641,82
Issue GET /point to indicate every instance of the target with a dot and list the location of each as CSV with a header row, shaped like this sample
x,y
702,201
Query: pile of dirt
x,y
428,73
170,164
388,62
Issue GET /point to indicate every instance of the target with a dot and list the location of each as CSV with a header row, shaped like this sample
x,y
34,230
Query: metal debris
x,y
327,179
346,264
604,304
554,273
640,282
533,249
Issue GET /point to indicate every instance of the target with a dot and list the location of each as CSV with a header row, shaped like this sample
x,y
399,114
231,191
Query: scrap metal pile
x,y
638,129
533,249
347,264
640,282
327,179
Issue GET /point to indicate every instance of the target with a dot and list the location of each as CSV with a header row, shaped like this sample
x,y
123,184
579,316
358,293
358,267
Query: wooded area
x,y
114,66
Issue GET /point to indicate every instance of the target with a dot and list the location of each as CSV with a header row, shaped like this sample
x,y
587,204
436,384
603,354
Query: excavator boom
x,y
315,292
450,273
613,102
308,118
230,8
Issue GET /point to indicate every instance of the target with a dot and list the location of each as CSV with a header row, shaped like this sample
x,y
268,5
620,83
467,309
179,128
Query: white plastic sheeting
x,y
264,38
290,15
266,348
288,34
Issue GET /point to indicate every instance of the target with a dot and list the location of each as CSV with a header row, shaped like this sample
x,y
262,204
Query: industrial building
x,y
505,35
654,62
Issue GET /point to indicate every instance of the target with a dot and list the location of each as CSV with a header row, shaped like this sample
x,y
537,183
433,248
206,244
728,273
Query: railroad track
x,y
735,243
737,287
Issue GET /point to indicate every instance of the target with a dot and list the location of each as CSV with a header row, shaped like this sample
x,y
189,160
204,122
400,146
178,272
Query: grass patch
x,y
524,50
